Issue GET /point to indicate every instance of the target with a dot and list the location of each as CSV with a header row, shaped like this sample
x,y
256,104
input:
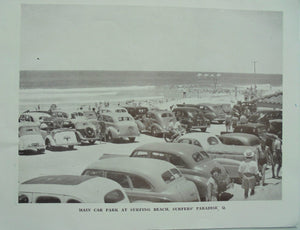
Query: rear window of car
x,y
47,199
119,178
124,119
171,175
114,196
139,182
166,115
199,156
140,154
93,172
29,130
212,141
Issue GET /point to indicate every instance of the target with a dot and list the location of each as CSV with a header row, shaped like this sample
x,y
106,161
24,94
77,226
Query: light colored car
x,y
71,189
62,137
113,110
244,139
146,180
120,125
214,147
30,137
192,161
36,117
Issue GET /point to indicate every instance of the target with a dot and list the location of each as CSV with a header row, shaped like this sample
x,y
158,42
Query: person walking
x,y
264,155
248,171
228,122
277,155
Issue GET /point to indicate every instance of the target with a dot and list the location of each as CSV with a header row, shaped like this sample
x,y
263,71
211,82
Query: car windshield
x,y
31,130
164,115
124,119
121,111
193,113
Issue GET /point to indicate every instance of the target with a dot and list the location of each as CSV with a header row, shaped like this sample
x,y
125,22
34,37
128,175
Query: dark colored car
x,y
256,129
208,111
243,139
275,127
136,111
191,118
157,121
192,161
265,116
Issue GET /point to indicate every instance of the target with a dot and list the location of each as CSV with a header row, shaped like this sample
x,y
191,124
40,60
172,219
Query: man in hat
x,y
248,171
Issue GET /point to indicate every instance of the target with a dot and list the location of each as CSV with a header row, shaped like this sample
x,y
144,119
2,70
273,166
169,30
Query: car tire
x,y
154,131
42,151
48,144
203,130
110,137
131,139
92,142
71,147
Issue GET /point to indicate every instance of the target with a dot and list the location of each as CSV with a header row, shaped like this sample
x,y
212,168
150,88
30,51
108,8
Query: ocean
x,y
69,88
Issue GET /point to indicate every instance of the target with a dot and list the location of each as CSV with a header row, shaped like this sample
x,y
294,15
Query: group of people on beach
x,y
251,171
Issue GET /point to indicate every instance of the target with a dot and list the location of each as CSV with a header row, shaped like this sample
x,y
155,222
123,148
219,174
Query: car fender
x,y
113,131
140,125
230,165
201,184
50,138
157,126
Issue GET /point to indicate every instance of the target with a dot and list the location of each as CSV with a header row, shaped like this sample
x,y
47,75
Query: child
x,y
212,184
248,171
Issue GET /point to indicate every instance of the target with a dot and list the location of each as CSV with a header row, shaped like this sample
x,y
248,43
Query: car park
x,y
137,112
208,111
36,117
63,137
157,121
71,189
256,129
243,139
30,137
192,161
61,118
146,180
191,118
120,125
263,116
220,110
86,131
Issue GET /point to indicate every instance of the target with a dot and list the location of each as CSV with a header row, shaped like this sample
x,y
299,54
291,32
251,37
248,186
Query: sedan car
x,y
244,139
192,161
146,179
71,189
30,137
214,147
63,137
120,125
256,129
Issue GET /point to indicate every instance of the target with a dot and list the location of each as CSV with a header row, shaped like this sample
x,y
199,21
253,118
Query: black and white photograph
x,y
169,110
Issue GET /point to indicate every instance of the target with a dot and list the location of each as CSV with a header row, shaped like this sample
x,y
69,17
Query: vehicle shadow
x,y
30,153
122,141
61,148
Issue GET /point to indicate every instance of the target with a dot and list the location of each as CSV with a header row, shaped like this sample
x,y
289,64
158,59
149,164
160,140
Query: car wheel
x,y
154,131
203,129
92,142
71,147
131,139
48,145
109,137
42,151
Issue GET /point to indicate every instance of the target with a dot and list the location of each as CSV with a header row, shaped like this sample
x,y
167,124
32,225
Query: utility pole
x,y
254,65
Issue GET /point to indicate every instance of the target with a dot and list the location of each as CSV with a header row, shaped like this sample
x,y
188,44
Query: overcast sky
x,y
79,37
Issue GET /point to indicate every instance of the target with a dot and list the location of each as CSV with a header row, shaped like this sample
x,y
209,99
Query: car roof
x,y
186,108
241,136
150,169
86,188
37,114
252,125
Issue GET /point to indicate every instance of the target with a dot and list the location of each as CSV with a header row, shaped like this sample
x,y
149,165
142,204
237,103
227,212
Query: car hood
x,y
232,149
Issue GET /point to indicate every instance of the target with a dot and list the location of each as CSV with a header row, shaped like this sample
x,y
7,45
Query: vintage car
x,y
61,119
156,121
120,125
146,180
137,112
71,189
264,116
215,148
113,110
191,118
219,109
208,111
30,137
192,161
275,127
239,139
63,137
37,117
256,129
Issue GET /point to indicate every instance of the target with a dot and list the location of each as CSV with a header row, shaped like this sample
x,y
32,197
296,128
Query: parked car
x,y
244,139
146,179
86,131
71,189
215,148
63,137
30,137
137,112
36,117
192,161
191,118
256,129
61,118
220,110
275,127
264,116
120,125
113,110
157,121
208,111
